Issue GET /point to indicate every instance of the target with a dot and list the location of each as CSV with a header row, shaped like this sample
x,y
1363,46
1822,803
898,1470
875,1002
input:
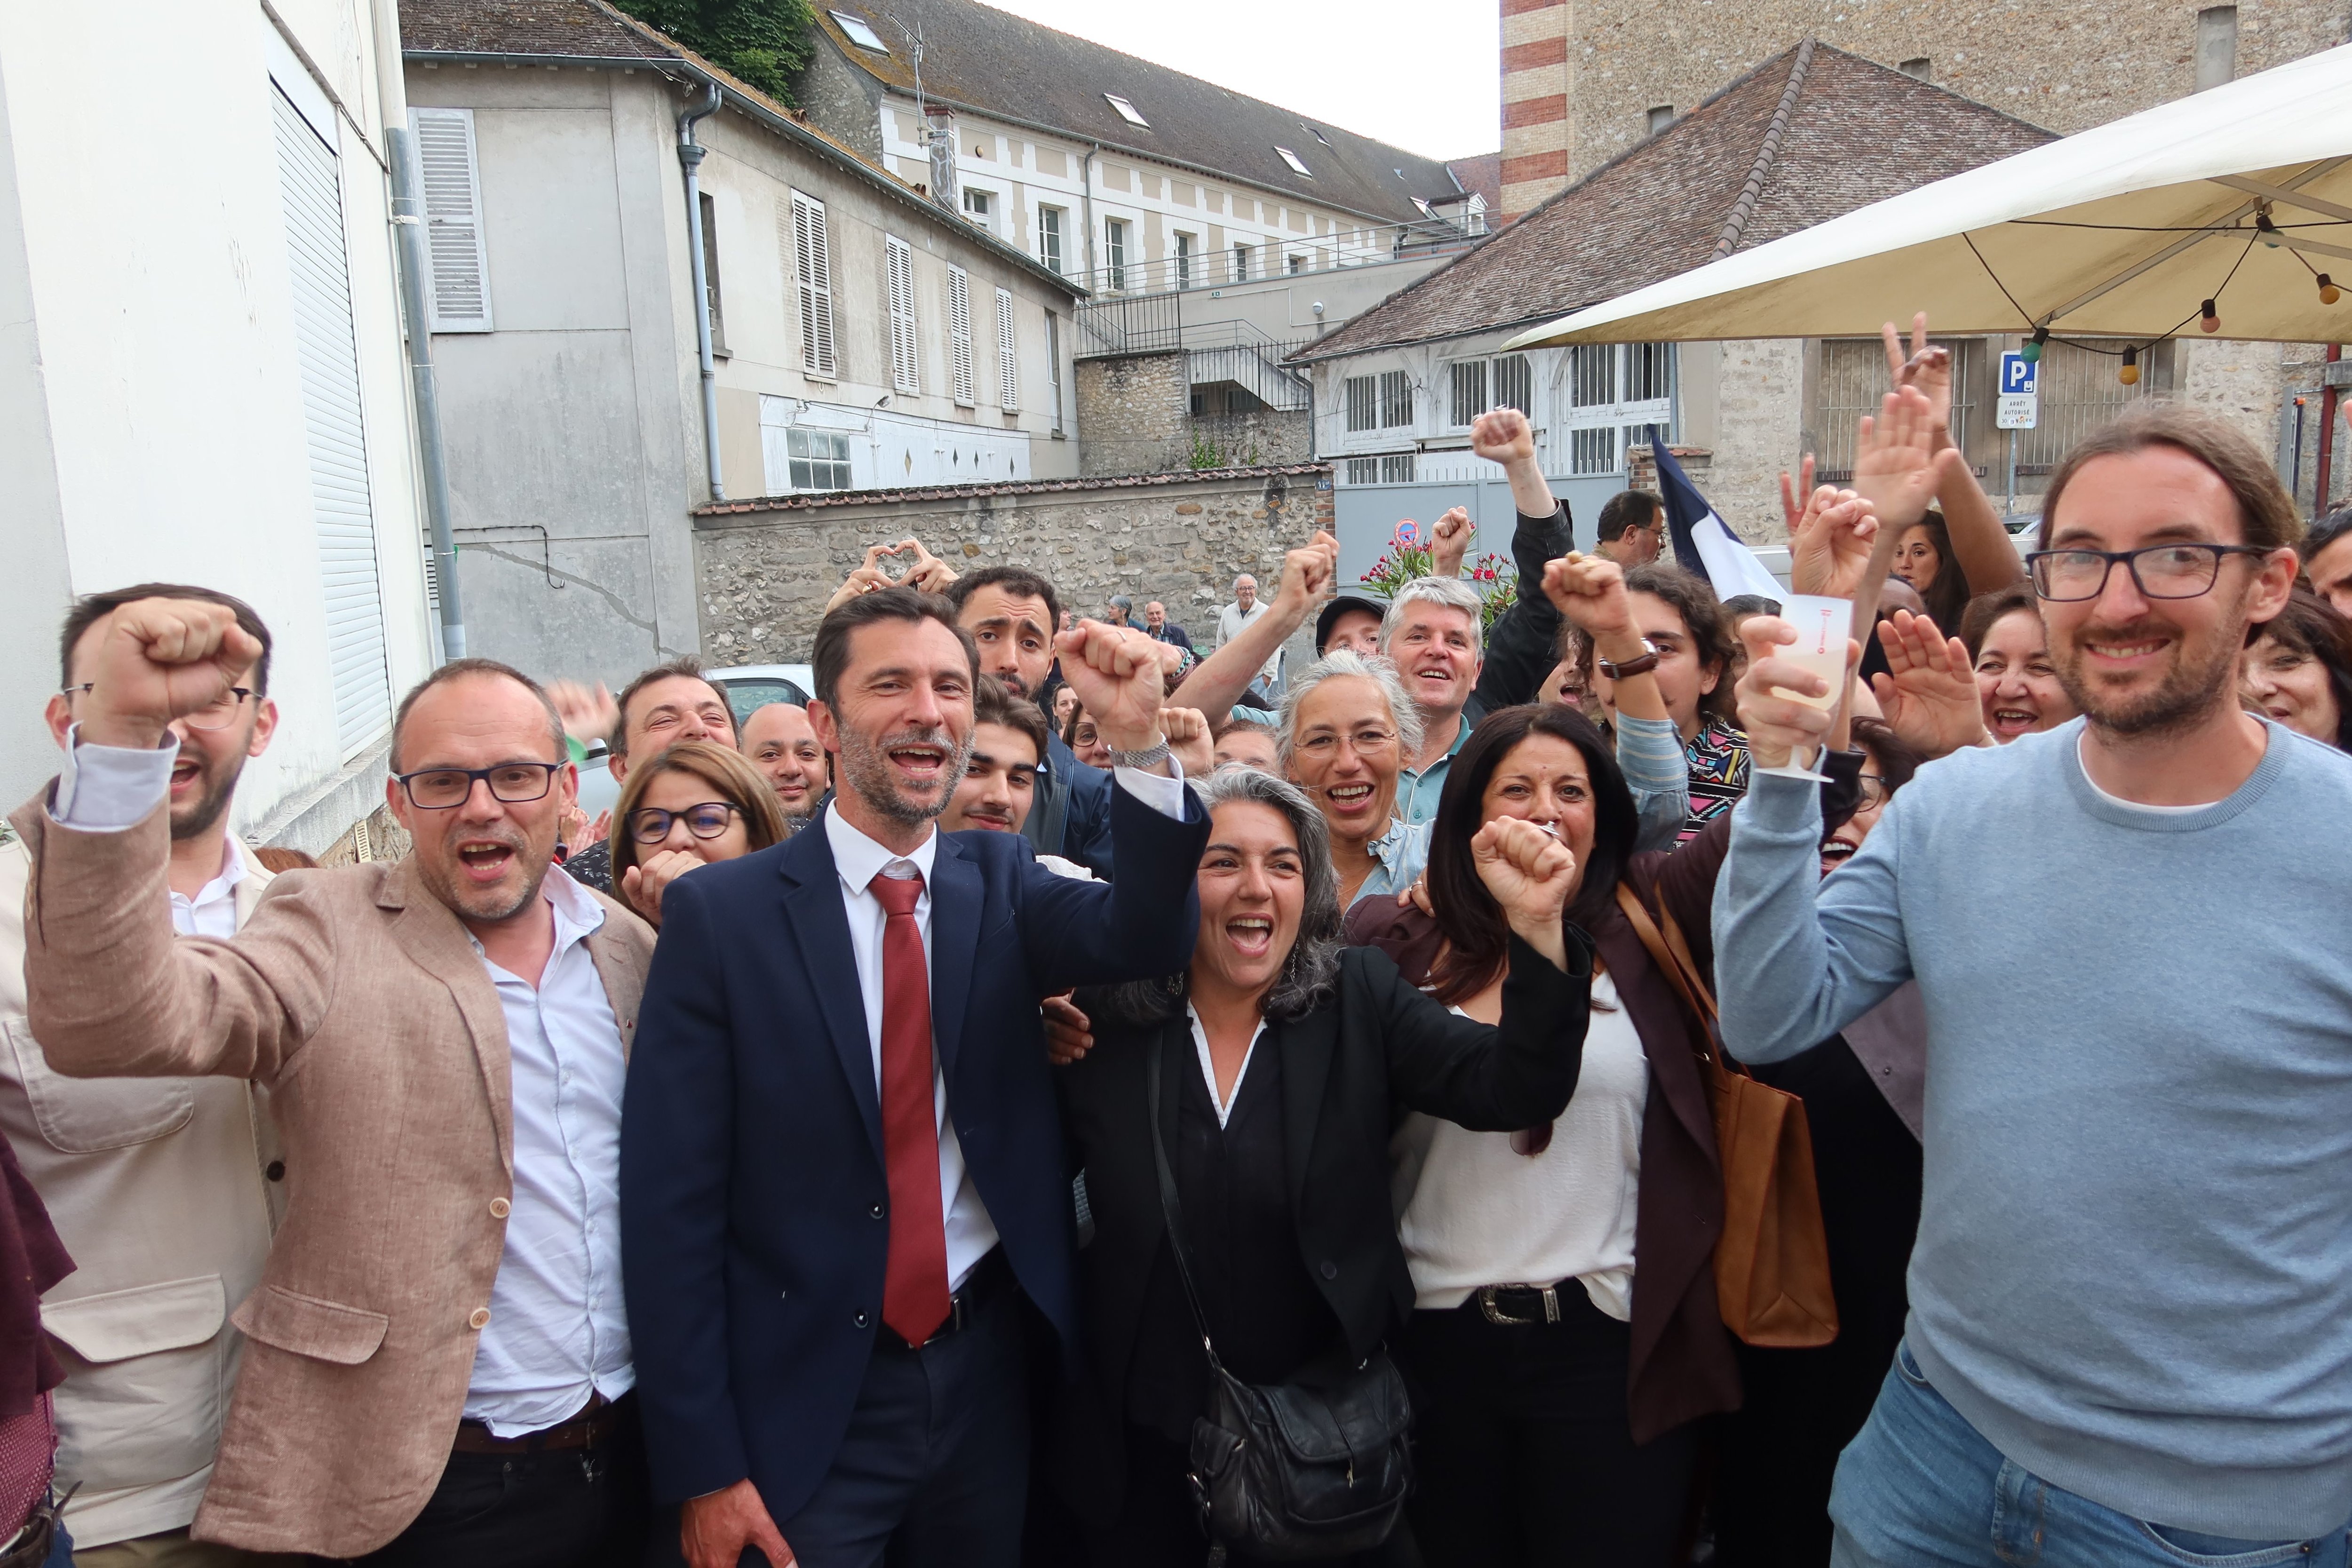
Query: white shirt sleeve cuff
x,y
105,789
1161,794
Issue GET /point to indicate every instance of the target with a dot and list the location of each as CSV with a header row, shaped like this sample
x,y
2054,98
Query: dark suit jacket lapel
x,y
1307,1045
431,935
956,899
821,925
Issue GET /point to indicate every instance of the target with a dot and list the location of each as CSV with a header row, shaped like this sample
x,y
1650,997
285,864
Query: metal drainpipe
x,y
408,230
689,158
1086,204
2323,477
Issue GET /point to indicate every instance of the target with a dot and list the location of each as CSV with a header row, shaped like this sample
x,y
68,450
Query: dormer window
x,y
860,32
1296,167
1127,111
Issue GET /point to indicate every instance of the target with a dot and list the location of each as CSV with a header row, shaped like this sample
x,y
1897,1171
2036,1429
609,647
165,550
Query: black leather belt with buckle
x,y
989,1278
1523,1305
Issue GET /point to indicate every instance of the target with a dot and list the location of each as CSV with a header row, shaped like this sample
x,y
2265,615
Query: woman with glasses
x,y
691,805
1347,728
1274,1067
2017,683
2299,670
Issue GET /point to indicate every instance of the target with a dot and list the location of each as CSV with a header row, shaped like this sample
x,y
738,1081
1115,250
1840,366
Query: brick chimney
x,y
1537,129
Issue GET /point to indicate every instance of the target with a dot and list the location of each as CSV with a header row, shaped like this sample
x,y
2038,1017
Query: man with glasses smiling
x,y
445,1042
2130,1337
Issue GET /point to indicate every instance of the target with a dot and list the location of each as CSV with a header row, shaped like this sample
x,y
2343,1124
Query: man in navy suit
x,y
841,1163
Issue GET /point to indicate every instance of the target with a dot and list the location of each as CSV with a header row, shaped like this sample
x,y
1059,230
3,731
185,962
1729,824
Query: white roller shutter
x,y
959,333
343,517
1008,372
448,174
813,273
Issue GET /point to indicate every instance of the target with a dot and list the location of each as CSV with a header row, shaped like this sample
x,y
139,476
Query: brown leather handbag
x,y
1772,1260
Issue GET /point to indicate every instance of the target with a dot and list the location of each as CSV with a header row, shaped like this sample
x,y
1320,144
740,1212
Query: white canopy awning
x,y
2121,231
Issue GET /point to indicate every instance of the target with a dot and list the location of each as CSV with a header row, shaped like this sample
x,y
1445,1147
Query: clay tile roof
x,y
1809,134
1483,175
996,63
1002,488
563,27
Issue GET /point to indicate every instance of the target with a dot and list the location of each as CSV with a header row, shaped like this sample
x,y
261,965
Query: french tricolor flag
x,y
1703,542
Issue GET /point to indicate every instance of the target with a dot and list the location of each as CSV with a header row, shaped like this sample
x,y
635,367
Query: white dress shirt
x,y
213,911
859,859
1224,1102
557,1331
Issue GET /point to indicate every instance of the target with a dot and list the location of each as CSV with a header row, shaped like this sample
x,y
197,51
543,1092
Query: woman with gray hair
x,y
1278,1063
1348,728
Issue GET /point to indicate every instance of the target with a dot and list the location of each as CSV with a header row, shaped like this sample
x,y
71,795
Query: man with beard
x,y
1010,613
843,1162
2130,1334
436,1368
152,1184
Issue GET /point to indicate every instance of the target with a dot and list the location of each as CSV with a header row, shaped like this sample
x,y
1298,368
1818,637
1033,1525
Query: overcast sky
x,y
1388,69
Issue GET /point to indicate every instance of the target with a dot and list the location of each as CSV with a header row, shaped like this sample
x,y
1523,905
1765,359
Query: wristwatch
x,y
1641,665
1146,760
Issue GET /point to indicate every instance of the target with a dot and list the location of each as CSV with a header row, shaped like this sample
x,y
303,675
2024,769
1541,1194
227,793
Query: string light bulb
x,y
2032,351
2129,375
2328,292
2209,319
2265,230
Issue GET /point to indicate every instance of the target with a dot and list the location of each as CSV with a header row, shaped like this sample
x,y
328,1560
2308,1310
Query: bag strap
x,y
1672,957
1171,1212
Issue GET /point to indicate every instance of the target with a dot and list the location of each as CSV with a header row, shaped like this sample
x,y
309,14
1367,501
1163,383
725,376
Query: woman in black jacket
x,y
1284,1063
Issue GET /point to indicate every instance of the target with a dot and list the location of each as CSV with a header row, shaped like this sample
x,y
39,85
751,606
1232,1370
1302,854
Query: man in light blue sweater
x,y
2130,1337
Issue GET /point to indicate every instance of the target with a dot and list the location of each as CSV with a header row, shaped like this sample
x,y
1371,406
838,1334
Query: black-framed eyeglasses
x,y
219,714
439,789
709,819
2158,572
1874,790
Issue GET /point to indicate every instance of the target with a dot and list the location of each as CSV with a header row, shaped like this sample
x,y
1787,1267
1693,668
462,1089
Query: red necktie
x,y
915,1282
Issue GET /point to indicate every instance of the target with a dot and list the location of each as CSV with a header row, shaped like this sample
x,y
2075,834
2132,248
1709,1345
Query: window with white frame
x,y
1363,470
1008,374
1619,395
1127,111
819,460
1295,264
978,206
1592,450
1114,253
1240,263
1049,238
860,32
1361,395
960,334
1514,381
906,361
1183,260
1592,375
1292,159
1053,366
1396,399
1649,371
1468,377
813,279
1396,468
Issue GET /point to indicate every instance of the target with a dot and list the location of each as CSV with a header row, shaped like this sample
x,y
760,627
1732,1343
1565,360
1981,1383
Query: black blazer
x,y
753,1196
1349,1068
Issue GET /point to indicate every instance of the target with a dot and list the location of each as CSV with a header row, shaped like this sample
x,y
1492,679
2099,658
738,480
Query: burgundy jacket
x,y
1683,1362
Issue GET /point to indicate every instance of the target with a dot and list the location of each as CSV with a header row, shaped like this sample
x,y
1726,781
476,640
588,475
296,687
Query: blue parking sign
x,y
2018,376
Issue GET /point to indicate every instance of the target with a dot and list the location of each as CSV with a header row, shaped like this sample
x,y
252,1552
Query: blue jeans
x,y
1919,1489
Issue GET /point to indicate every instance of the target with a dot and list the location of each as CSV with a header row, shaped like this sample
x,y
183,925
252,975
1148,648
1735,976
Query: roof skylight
x,y
861,32
1127,111
1296,167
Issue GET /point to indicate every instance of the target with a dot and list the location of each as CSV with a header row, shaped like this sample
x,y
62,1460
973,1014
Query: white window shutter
x,y
906,364
812,276
959,331
448,174
1008,374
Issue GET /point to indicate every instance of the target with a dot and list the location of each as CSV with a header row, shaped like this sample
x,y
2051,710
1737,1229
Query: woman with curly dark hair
x,y
2298,670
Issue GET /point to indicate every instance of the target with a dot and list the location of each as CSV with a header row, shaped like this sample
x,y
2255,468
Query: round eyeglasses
x,y
650,823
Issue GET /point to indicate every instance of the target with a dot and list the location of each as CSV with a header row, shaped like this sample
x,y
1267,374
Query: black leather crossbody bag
x,y
1314,1468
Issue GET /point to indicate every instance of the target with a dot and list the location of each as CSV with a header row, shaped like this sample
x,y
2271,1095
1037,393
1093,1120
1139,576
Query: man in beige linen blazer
x,y
358,998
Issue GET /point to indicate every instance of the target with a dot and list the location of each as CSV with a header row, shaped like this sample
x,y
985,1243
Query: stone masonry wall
x,y
1132,414
1181,539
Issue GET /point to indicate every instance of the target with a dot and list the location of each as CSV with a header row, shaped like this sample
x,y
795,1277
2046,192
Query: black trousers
x,y
562,1508
1525,1454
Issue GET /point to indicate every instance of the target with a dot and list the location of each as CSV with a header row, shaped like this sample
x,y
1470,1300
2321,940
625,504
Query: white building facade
x,y
203,378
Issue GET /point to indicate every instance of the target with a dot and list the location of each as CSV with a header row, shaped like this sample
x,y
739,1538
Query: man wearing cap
x,y
1350,624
